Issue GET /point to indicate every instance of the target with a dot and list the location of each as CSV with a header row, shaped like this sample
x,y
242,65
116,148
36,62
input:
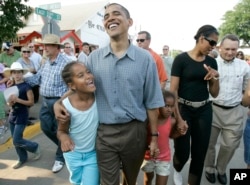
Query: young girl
x,y
78,141
18,116
161,163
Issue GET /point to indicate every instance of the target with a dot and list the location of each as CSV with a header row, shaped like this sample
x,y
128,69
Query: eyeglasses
x,y
26,51
31,46
165,49
68,47
6,49
140,40
210,41
240,53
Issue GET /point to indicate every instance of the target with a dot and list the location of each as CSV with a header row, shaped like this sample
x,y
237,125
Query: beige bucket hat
x,y
51,39
15,66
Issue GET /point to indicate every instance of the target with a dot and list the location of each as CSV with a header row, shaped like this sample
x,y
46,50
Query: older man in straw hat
x,y
52,88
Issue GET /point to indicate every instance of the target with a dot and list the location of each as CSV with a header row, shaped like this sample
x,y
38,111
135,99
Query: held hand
x,y
66,143
153,147
61,113
182,127
211,73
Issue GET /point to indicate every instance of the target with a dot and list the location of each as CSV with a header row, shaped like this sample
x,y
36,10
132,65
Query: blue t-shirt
x,y
20,113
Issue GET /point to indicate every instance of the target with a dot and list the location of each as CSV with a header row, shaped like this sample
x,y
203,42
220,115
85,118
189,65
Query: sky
x,y
170,22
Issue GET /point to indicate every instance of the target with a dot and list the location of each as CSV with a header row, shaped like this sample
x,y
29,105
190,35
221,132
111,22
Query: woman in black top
x,y
193,77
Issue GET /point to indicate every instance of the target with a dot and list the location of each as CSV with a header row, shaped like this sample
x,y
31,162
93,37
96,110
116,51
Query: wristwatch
x,y
155,134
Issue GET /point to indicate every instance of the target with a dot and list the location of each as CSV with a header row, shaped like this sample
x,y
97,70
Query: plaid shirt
x,y
49,77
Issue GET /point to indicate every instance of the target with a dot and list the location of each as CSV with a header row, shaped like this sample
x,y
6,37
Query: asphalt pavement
x,y
39,172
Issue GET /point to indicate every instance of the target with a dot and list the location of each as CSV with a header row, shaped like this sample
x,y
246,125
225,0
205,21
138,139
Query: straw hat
x,y
15,66
51,39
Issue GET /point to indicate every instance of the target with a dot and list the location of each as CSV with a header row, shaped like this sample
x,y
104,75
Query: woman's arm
x,y
181,124
214,87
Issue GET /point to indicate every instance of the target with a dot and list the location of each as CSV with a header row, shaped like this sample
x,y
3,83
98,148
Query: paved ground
x,y
39,172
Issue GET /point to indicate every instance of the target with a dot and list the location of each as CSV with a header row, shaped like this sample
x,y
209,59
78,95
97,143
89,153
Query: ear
x,y
130,22
71,86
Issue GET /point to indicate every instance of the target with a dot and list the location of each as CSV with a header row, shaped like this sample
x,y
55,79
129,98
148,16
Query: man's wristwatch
x,y
155,134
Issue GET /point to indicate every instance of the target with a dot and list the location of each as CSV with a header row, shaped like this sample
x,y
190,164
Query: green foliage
x,y
238,22
12,15
174,53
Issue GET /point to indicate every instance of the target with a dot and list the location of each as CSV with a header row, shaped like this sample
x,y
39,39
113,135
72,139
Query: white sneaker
x,y
58,165
177,178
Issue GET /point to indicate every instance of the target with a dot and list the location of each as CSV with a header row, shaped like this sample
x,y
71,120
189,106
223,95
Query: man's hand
x,y
61,113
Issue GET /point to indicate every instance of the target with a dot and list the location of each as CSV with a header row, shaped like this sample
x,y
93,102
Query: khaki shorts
x,y
159,167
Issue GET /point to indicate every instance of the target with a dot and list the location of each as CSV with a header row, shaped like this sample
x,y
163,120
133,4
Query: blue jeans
x,y
21,145
246,138
82,167
49,124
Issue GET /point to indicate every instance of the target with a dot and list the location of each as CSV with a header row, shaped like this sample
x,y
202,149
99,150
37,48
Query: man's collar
x,y
220,59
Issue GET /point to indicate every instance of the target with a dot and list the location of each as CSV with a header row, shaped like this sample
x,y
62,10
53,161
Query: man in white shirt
x,y
83,56
168,61
228,115
68,52
35,57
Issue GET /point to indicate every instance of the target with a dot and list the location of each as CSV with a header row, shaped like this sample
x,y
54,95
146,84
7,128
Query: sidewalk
x,y
39,172
33,172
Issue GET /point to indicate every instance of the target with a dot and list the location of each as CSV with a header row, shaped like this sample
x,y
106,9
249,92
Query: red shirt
x,y
163,142
160,66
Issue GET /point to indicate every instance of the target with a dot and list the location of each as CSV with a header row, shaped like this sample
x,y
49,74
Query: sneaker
x,y
17,165
3,129
37,153
177,178
58,165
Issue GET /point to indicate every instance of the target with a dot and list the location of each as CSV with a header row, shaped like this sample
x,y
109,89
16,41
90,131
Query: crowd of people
x,y
116,108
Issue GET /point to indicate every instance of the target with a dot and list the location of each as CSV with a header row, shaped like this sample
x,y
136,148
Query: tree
x,y
237,21
12,15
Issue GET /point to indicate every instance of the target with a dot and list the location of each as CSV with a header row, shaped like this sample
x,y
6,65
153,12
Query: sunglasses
x,y
26,51
140,40
67,47
210,41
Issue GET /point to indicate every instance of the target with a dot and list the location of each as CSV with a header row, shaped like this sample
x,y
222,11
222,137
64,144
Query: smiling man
x,y
122,101
127,93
